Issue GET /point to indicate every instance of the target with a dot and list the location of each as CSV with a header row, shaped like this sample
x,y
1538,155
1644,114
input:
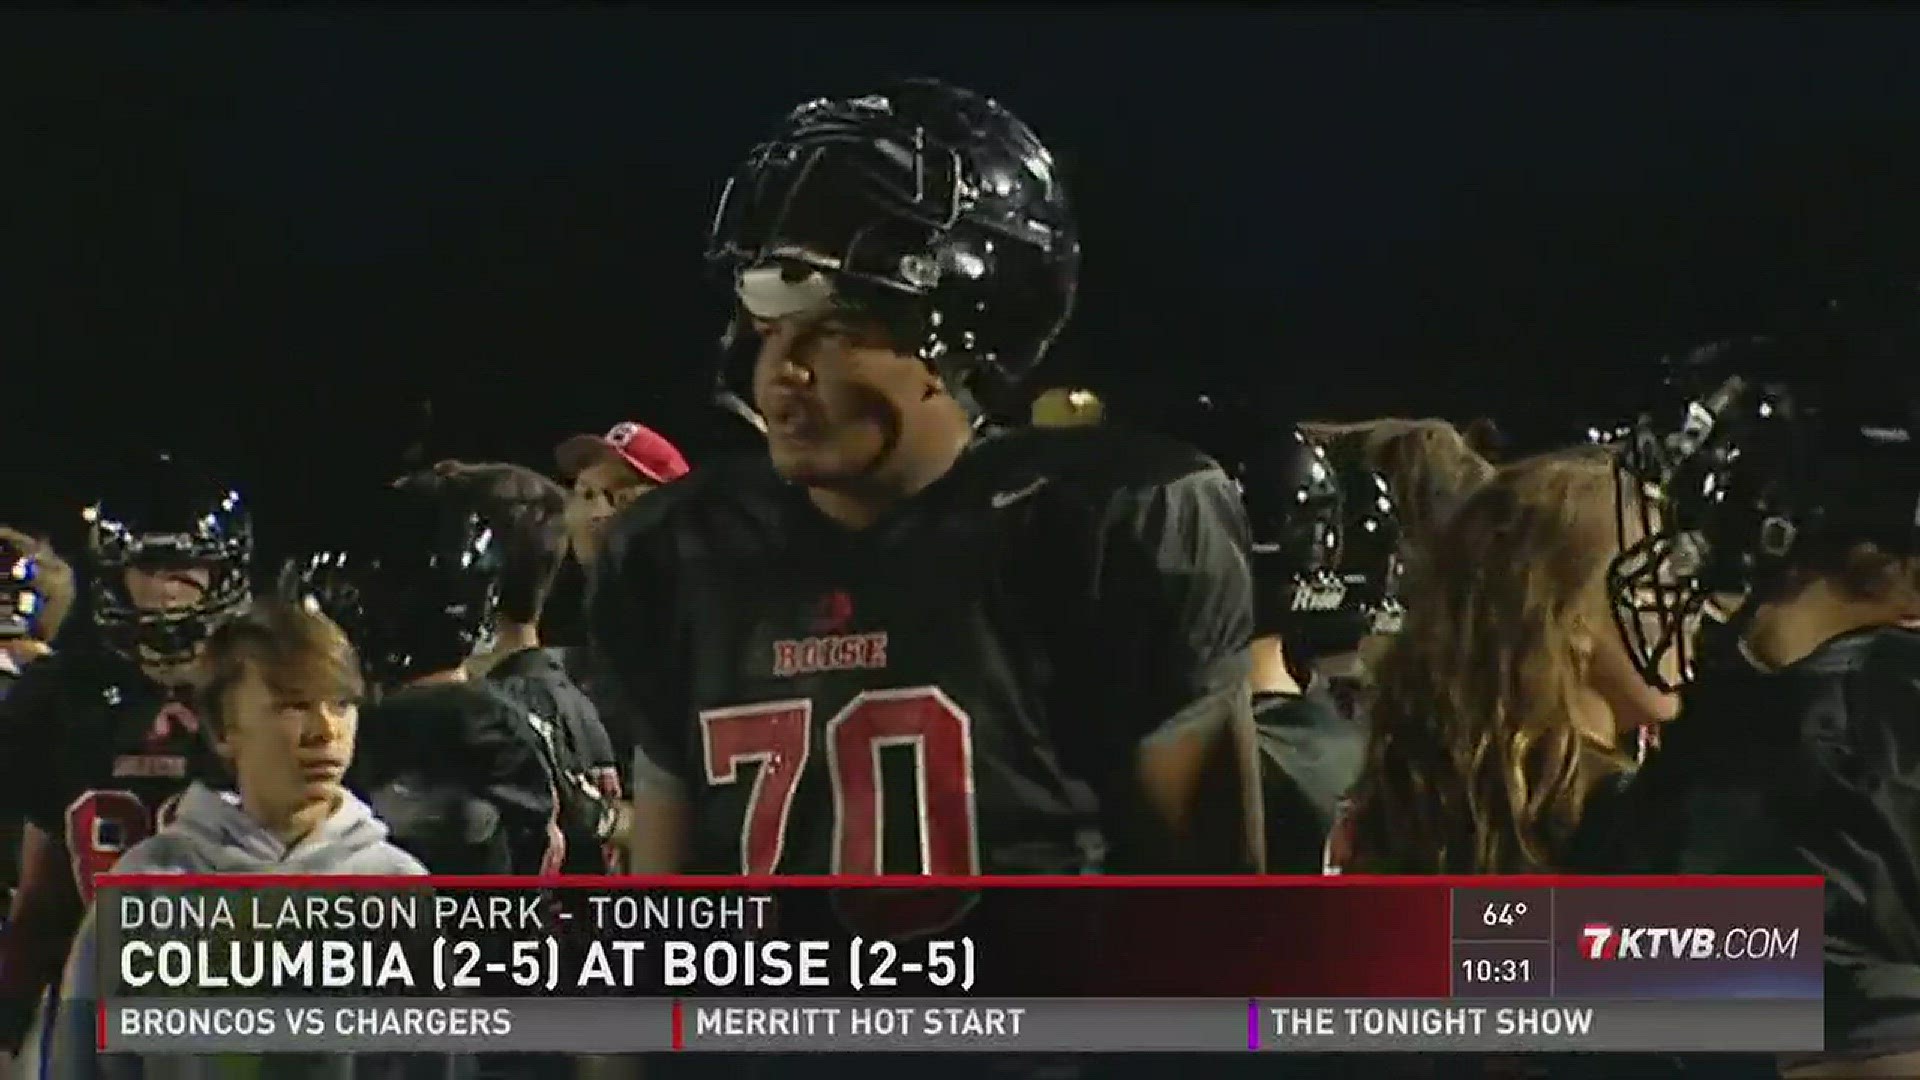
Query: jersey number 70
x,y
778,736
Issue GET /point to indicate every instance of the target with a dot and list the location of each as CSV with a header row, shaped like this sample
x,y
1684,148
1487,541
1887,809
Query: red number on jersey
x,y
775,736
101,826
778,736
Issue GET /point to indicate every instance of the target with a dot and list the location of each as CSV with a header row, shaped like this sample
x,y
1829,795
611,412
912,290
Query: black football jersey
x,y
577,748
950,691
540,681
443,824
468,735
1814,768
1310,755
582,665
93,752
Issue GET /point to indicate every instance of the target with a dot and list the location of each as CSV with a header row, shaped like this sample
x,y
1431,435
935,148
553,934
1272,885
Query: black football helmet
x,y
1293,504
159,514
1790,449
925,206
1371,561
22,605
417,596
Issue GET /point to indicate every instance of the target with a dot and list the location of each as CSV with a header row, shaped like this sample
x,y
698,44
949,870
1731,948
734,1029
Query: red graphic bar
x,y
909,881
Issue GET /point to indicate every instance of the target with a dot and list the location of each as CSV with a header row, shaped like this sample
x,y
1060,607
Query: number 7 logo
x,y
1598,941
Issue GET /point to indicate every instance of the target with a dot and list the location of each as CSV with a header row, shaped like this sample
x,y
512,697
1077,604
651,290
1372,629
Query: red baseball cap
x,y
646,450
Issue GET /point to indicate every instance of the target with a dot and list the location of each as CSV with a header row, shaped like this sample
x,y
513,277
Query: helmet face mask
x,y
1782,461
167,518
928,208
1654,594
835,209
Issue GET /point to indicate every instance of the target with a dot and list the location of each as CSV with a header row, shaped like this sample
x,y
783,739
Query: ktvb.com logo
x,y
1604,941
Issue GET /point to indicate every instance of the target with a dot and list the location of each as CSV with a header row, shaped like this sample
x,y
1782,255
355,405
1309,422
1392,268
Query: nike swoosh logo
x,y
1004,499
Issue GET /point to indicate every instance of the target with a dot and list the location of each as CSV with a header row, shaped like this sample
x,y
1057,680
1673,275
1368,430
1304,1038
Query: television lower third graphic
x,y
1600,941
232,965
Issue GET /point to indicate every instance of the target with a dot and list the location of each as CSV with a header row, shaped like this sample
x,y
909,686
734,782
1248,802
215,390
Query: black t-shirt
x,y
464,734
91,753
1814,768
955,689
1310,756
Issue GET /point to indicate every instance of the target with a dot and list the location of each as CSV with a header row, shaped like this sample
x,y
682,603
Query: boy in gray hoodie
x,y
282,710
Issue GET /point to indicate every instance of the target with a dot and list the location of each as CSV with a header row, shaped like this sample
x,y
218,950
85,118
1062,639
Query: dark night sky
x,y
260,237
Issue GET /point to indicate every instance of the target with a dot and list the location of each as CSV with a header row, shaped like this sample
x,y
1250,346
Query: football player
x,y
886,645
97,739
1342,643
1789,485
1310,753
416,599
525,509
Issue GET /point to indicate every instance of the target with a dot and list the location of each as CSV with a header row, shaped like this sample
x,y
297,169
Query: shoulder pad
x,y
443,698
537,665
480,696
738,476
1107,457
1895,650
1885,652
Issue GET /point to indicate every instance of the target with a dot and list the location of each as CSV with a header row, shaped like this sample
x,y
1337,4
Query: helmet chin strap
x,y
735,404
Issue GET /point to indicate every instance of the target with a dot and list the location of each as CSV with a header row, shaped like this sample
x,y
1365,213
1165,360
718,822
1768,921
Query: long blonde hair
x,y
1479,760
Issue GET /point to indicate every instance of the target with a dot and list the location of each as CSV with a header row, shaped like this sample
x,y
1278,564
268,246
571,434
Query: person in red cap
x,y
608,472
